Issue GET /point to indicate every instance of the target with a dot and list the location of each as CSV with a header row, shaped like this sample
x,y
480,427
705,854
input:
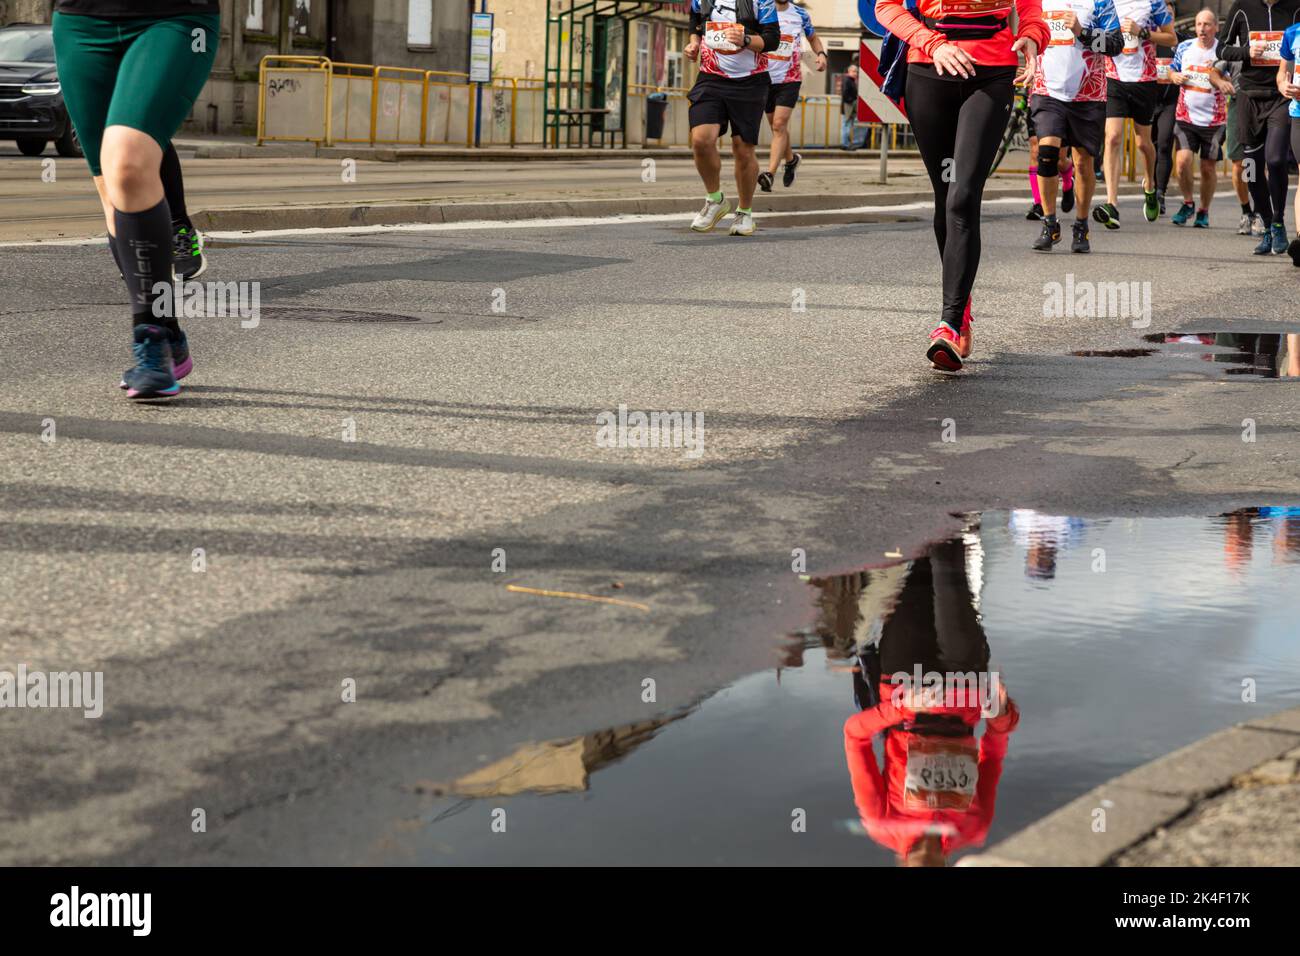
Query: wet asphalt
x,y
371,560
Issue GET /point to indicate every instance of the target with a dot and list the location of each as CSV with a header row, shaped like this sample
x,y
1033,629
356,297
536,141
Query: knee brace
x,y
1049,159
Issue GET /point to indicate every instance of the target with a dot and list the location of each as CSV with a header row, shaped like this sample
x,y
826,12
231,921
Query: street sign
x,y
873,105
480,48
867,14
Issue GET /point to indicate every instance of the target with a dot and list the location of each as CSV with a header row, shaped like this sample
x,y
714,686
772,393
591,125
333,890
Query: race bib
x,y
785,51
941,775
1198,78
715,36
1061,34
1131,43
1162,69
974,6
1272,54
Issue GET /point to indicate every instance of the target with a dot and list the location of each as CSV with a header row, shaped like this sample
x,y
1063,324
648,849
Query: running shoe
x,y
944,351
787,177
1278,235
1257,225
1079,242
1067,196
1243,227
965,338
1107,215
1202,219
1049,237
182,364
1293,251
153,376
188,261
1035,211
1265,247
708,217
1150,205
1160,196
765,181
1184,213
742,224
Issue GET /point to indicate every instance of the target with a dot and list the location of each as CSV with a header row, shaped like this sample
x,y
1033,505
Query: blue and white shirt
x,y
717,56
783,63
1290,53
1137,62
1199,103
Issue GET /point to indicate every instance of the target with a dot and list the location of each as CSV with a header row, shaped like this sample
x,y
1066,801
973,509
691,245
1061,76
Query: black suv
x,y
31,100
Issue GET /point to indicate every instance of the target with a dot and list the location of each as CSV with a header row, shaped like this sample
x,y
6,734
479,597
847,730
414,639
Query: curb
x,y
396,154
251,218
1139,802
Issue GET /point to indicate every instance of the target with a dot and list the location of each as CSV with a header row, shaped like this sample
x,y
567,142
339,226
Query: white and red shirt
x,y
1199,103
1068,70
783,63
719,57
1137,62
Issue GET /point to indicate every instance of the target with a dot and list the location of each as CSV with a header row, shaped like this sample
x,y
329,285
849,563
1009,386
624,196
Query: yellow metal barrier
x,y
280,76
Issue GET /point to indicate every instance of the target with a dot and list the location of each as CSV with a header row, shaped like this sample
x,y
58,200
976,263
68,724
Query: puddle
x,y
1114,353
1116,640
1266,355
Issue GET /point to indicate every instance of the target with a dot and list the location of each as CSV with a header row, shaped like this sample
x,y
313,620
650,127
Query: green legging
x,y
144,73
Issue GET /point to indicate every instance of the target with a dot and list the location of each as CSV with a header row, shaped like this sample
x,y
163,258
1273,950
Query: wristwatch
x,y
1144,33
744,43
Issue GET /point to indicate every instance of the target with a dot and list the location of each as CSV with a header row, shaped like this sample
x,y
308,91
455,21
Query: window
x,y
301,17
419,23
675,72
254,21
644,75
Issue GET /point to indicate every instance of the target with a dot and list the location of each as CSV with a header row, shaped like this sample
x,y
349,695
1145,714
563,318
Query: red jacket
x,y
995,51
891,817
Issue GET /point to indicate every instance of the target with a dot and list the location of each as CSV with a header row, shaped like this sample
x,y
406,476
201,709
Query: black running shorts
x,y
1081,125
738,103
1204,140
783,94
1136,100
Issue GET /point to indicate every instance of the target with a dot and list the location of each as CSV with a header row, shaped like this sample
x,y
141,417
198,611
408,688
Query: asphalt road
x,y
475,429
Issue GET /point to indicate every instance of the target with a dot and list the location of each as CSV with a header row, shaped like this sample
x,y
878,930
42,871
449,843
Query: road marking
x,y
577,596
554,223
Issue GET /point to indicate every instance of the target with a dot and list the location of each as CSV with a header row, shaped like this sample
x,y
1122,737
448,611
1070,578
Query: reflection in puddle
x,y
1102,644
1267,355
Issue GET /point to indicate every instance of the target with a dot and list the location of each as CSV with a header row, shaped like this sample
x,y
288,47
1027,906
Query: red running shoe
x,y
964,342
944,351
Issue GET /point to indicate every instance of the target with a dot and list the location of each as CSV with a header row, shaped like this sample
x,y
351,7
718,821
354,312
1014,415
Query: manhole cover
x,y
304,314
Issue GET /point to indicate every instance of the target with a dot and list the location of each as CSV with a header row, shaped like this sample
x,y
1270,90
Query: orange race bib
x,y
1198,78
1162,69
785,51
1061,34
1272,54
715,36
940,775
1131,43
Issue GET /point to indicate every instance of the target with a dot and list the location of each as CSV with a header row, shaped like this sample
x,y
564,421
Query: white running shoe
x,y
708,217
742,224
1243,227
1257,225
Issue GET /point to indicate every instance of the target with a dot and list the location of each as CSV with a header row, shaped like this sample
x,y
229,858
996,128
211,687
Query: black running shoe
x,y
1080,241
1049,237
1293,251
1107,215
1035,211
765,181
188,261
787,178
1067,199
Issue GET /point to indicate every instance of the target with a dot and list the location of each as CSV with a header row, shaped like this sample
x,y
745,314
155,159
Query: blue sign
x,y
867,12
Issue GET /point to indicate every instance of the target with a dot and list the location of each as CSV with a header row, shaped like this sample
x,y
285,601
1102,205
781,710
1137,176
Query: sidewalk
x,y
1231,799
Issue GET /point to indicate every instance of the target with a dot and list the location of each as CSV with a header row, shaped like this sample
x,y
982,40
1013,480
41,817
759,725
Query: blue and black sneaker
x,y
1184,213
1202,219
1278,235
182,364
152,377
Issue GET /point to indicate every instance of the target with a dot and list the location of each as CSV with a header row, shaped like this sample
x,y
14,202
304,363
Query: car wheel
x,y
31,147
69,144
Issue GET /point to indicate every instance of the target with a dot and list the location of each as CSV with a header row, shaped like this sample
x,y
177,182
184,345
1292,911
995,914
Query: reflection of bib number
x,y
1198,78
1162,70
1130,43
1272,54
940,780
715,36
785,51
1061,34
974,6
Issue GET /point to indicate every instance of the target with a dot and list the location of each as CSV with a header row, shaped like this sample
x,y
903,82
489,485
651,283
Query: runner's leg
x,y
708,161
746,161
1112,156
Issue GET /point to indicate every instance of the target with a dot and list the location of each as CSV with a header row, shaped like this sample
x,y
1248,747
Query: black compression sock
x,y
174,186
1245,209
145,247
117,256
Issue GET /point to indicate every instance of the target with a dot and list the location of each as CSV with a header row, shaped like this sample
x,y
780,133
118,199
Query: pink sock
x,y
1033,185
1067,177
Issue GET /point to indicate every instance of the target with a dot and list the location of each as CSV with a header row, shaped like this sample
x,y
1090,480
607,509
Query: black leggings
x,y
1162,128
958,125
1273,154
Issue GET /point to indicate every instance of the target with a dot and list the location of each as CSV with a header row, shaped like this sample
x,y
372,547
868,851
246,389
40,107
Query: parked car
x,y
32,111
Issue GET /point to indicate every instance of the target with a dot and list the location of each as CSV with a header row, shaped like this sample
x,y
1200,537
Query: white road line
x,y
556,223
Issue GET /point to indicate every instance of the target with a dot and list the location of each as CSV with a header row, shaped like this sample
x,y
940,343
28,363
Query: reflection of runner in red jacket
x,y
937,790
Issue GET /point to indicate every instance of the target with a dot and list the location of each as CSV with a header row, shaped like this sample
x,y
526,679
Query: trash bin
x,y
656,107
